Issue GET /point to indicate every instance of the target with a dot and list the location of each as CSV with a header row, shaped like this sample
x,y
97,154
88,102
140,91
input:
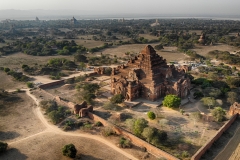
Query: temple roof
x,y
148,50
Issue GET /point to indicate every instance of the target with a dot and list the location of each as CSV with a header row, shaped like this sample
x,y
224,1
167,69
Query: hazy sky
x,y
221,7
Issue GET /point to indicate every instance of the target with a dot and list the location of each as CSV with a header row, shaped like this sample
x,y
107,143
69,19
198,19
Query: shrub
x,y
151,115
29,84
124,143
69,150
98,124
118,98
6,70
107,131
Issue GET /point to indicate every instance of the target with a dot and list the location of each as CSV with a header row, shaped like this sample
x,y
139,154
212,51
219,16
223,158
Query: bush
x,y
6,70
29,84
107,131
98,124
118,98
151,115
69,150
124,143
3,147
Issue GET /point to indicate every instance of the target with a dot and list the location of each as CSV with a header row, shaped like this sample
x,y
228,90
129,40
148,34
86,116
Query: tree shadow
x,y
13,154
141,108
102,114
87,157
178,120
8,135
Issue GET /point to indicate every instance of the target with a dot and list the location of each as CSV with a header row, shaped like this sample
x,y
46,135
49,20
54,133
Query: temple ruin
x,y
234,109
148,76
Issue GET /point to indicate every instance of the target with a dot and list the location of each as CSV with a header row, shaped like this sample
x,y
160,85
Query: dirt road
x,y
230,147
54,129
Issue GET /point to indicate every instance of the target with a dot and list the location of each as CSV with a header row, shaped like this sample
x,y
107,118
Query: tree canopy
x,y
69,150
171,101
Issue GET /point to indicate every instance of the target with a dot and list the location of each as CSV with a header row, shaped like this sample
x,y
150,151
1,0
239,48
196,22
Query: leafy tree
x,y
148,133
55,116
139,125
209,101
151,115
89,97
91,87
82,66
218,114
212,92
69,150
171,101
3,147
232,97
80,58
118,98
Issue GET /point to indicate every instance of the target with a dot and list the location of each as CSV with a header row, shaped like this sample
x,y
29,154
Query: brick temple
x,y
148,76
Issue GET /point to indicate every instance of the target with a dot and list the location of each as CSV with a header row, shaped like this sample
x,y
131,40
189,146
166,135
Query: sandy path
x,y
55,129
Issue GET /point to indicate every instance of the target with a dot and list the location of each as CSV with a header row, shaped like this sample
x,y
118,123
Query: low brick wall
x,y
47,85
97,118
61,102
135,140
204,148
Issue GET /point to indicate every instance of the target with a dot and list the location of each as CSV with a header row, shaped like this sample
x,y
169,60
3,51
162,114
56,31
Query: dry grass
x,y
7,82
17,119
203,50
148,36
49,146
168,53
16,60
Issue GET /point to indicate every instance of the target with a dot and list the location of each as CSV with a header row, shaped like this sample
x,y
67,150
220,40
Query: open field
x,y
17,118
168,53
16,60
28,137
7,82
203,50
48,145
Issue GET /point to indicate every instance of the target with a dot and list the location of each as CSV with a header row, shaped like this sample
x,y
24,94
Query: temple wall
x,y
135,140
210,142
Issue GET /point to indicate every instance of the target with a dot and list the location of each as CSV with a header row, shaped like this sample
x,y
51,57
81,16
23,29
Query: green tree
x,y
130,124
91,87
139,125
148,133
3,147
80,58
171,101
151,115
118,98
232,97
218,114
69,150
209,101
